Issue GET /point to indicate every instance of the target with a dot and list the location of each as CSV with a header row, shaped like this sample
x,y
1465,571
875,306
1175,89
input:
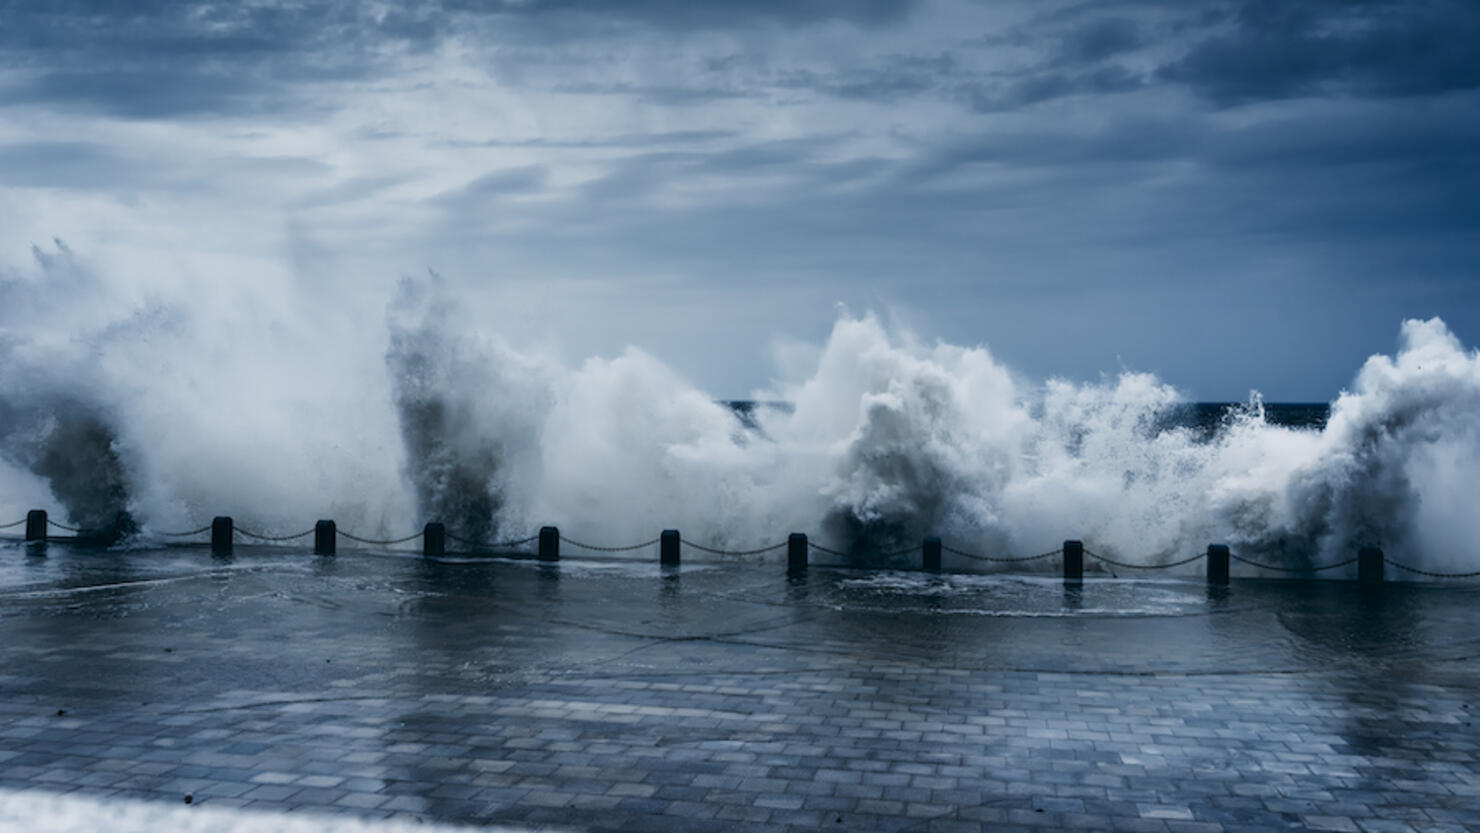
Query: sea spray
x,y
888,439
1389,469
192,401
55,407
467,409
178,408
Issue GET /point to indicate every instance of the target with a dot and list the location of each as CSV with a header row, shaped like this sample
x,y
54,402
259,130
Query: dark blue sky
x,y
1233,195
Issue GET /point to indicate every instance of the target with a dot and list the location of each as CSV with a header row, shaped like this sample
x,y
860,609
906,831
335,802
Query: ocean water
x,y
1205,419
1208,418
135,416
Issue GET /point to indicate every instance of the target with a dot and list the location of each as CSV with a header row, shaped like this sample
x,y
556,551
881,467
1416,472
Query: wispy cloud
x,y
948,154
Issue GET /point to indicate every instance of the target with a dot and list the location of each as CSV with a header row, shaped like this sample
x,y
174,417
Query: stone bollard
x,y
1217,564
221,529
325,538
1073,561
668,548
549,543
36,525
796,554
1369,565
932,554
434,540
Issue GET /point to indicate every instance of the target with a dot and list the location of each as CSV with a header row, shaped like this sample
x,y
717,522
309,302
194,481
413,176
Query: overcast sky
x,y
1233,195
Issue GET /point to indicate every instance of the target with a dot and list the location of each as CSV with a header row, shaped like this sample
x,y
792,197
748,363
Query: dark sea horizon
x,y
1205,418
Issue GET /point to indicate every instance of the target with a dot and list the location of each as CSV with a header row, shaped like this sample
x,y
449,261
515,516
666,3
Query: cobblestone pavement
x,y
612,697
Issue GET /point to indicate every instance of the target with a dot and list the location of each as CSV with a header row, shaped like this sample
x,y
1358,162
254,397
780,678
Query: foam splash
x,y
43,812
465,409
167,404
887,439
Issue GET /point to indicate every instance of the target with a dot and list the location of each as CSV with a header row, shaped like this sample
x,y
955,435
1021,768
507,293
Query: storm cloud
x,y
1123,174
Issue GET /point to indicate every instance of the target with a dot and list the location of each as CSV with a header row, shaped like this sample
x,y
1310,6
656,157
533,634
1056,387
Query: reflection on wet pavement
x,y
615,695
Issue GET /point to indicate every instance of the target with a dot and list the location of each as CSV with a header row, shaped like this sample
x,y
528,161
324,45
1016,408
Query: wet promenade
x,y
591,696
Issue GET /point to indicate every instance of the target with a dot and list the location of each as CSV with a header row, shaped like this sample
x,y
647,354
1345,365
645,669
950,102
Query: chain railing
x,y
735,553
496,545
840,554
1001,560
1130,566
594,548
1429,573
1278,568
952,550
378,543
271,538
206,528
80,534
822,549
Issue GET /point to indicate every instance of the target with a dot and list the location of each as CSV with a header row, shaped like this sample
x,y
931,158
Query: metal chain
x,y
497,545
975,557
760,551
820,548
373,542
610,549
241,531
1428,573
1292,569
1099,557
186,534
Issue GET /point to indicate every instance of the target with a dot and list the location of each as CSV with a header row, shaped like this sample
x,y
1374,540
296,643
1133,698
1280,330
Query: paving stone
x,y
495,693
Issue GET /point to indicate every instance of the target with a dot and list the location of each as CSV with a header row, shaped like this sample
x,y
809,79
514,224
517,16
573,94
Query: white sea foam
x,y
888,438
42,812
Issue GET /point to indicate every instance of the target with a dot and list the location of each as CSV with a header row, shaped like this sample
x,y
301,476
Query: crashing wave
x,y
159,413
